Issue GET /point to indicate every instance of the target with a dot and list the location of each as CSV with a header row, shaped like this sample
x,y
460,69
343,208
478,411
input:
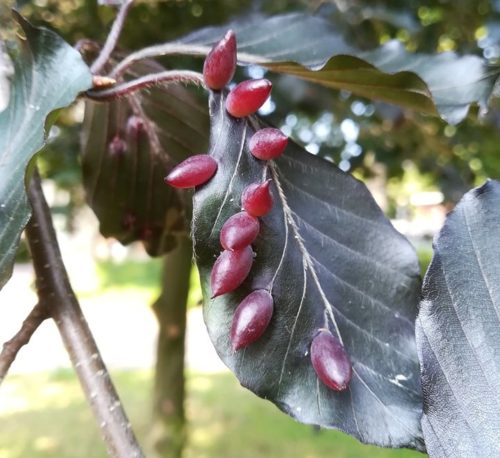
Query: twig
x,y
154,79
54,289
11,348
167,49
86,45
112,39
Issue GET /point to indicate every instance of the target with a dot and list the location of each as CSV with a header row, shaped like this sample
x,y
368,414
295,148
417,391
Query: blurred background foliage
x,y
364,137
402,152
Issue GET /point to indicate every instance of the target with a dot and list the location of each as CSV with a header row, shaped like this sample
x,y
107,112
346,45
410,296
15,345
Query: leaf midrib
x,y
328,306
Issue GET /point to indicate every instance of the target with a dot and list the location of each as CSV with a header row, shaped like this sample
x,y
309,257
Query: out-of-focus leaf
x,y
311,48
401,18
110,2
6,72
331,259
126,191
458,331
48,74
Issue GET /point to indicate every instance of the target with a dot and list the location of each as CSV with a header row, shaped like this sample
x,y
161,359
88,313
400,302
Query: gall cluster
x,y
253,315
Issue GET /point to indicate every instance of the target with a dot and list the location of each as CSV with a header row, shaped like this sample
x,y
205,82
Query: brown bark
x,y
169,428
55,292
11,348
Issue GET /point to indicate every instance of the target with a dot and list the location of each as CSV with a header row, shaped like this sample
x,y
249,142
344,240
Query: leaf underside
x,y
48,74
330,259
311,48
127,192
458,331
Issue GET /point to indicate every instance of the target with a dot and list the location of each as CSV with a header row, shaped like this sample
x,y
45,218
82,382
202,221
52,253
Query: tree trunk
x,y
169,432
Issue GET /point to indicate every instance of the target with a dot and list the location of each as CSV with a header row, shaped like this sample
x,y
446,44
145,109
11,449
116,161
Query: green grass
x,y
45,415
424,256
141,278
129,274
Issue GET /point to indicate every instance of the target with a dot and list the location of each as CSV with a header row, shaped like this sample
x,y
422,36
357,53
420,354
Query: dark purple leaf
x,y
312,48
458,331
331,260
158,129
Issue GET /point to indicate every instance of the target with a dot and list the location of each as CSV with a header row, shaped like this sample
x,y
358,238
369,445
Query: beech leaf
x,y
458,331
126,190
312,48
48,74
330,259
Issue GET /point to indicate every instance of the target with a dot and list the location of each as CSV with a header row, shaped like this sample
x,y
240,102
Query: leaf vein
x,y
292,333
352,251
479,263
233,176
362,293
342,210
462,327
459,406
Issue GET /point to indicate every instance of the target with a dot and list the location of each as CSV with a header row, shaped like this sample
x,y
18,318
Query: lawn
x,y
138,277
45,415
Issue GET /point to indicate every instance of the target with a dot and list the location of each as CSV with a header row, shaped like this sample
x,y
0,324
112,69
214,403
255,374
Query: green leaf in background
x,y
311,48
330,258
458,331
48,74
125,187
6,72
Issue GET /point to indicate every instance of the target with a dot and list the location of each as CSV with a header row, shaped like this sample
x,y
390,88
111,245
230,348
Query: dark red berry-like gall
x,y
268,143
330,361
230,270
117,147
220,63
247,97
257,199
135,127
251,318
239,231
192,172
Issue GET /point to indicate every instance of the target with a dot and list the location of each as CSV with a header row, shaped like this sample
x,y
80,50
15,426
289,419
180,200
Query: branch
x,y
169,427
154,79
167,49
54,289
11,347
112,39
84,45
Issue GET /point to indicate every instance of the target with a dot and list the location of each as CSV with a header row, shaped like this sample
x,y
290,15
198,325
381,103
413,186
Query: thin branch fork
x,y
11,348
54,290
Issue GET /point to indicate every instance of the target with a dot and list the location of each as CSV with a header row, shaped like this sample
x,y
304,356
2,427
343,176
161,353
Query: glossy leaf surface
x,y
330,259
48,74
458,331
311,48
127,192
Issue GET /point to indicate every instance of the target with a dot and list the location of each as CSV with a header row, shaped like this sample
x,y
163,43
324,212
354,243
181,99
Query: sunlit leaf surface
x,y
330,259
